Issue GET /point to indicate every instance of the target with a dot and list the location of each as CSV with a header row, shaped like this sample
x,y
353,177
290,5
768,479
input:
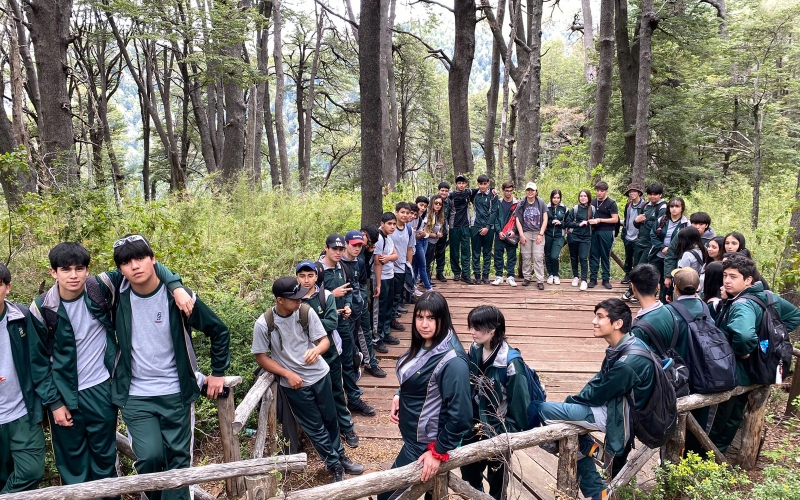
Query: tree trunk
x,y
305,178
262,56
458,86
49,26
372,109
758,122
589,69
391,143
604,76
17,178
235,116
280,80
642,157
32,83
491,100
628,76
392,165
535,8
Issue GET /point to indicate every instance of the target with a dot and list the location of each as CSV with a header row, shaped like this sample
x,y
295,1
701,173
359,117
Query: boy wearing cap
x,y
606,217
155,380
295,354
22,450
325,307
458,221
531,224
630,233
482,230
335,280
383,276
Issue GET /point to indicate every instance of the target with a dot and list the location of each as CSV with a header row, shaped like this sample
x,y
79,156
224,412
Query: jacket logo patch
x,y
622,359
21,333
511,371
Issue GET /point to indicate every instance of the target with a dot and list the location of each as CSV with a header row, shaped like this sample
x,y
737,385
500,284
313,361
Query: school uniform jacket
x,y
657,237
202,319
652,213
671,260
559,212
21,344
502,407
663,321
484,204
574,218
499,219
637,210
740,318
619,374
435,396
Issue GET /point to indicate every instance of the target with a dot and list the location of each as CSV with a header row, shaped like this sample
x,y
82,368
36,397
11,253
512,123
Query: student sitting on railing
x,y
433,406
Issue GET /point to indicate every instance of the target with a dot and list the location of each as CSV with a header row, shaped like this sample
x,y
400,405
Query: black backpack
x,y
774,350
711,361
676,370
654,424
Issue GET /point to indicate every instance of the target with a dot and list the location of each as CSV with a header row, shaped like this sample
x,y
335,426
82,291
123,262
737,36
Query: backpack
x,y
535,389
774,352
654,424
676,370
510,229
51,317
321,275
269,317
711,360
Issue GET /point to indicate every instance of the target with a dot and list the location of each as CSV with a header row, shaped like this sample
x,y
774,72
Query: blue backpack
x,y
535,389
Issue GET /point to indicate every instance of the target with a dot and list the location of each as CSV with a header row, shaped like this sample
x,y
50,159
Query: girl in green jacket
x,y
580,236
554,236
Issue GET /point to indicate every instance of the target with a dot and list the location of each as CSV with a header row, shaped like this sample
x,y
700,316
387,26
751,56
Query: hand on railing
x,y
430,466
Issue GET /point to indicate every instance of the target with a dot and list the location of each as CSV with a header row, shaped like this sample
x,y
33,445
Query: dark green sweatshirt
x,y
504,408
574,217
21,345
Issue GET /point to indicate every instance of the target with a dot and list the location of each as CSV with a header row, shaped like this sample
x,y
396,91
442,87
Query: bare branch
x,y
432,2
438,53
329,11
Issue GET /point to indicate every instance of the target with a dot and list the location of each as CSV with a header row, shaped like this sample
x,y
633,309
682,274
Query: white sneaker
x,y
576,281
511,281
556,280
584,285
497,281
550,280
418,292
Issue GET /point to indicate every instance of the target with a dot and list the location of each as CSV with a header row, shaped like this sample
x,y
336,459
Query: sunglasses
x,y
129,239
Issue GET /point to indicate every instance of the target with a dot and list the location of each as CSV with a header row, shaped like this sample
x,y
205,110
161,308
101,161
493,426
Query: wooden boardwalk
x,y
552,329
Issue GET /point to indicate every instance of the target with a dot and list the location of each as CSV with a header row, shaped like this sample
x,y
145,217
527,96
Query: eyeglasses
x,y
129,239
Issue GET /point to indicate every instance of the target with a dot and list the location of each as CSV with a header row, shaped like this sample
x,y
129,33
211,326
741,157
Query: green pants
x,y
409,453
600,254
383,328
481,247
87,450
552,254
727,421
495,474
630,255
331,357
459,251
313,409
161,430
505,258
21,455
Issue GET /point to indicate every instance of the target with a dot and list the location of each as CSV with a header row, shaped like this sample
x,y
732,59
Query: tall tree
x,y
642,156
458,85
492,97
589,69
628,63
235,111
604,75
372,109
280,92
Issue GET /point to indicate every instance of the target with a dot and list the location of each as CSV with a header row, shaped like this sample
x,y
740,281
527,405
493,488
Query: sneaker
x,y
402,309
395,325
441,278
350,439
627,296
634,300
556,280
485,281
338,472
626,280
592,283
351,467
456,278
361,408
418,293
380,347
607,284
540,285
550,280
511,281
498,281
576,281
526,282
375,371
584,285
391,340
469,281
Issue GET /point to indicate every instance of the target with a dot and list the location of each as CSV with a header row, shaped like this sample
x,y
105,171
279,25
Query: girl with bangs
x,y
432,406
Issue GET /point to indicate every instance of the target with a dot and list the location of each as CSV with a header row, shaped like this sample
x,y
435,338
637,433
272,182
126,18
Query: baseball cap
x,y
531,185
288,288
335,241
306,264
461,178
354,237
687,281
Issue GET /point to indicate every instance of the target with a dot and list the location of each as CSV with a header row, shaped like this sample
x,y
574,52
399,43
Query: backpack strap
x,y
512,355
764,305
651,332
683,311
640,351
94,292
269,317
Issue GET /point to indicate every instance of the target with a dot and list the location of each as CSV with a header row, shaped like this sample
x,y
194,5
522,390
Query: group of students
x,y
93,346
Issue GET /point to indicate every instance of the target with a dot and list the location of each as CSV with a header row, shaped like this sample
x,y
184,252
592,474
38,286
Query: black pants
x,y
441,249
314,410
409,453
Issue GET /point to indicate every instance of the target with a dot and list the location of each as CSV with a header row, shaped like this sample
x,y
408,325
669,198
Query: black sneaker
x,y
526,282
592,283
441,278
485,281
456,278
402,309
350,439
380,347
351,467
375,371
391,340
469,281
607,284
540,285
338,473
395,325
626,280
361,408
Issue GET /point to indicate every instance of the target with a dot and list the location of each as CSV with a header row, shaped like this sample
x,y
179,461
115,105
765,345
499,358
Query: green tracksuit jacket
x,y
663,321
671,260
435,396
21,345
553,214
499,219
740,319
202,319
657,237
652,214
574,218
504,408
484,204
619,375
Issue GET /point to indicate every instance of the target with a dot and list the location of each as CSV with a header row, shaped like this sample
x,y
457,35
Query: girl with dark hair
x,y
712,284
554,236
716,249
666,227
435,227
579,237
735,242
690,250
432,407
500,393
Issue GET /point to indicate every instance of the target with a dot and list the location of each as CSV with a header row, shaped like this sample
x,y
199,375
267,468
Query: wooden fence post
x,y
794,391
674,447
695,428
440,486
567,475
231,452
753,427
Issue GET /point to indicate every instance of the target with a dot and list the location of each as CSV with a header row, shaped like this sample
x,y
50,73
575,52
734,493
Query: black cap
x,y
461,178
288,288
335,241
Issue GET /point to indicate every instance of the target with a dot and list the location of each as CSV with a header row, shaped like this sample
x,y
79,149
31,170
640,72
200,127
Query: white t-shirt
x,y
384,246
90,343
12,407
153,368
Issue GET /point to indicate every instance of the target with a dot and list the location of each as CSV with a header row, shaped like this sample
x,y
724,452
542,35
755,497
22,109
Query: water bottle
x,y
764,345
779,373
249,432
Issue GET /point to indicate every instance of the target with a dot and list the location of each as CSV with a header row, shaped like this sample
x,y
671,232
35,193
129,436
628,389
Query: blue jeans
x,y
420,264
553,413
